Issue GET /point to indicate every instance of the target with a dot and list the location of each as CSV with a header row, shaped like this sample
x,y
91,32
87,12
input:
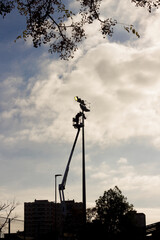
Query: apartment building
x,y
41,221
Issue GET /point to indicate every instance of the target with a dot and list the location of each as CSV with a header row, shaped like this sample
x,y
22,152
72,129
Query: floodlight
x,y
82,104
76,98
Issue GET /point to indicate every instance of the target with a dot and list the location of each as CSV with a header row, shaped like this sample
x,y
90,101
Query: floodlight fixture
x,y
76,98
82,104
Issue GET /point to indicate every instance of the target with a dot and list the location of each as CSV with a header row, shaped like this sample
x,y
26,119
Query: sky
x,y
119,77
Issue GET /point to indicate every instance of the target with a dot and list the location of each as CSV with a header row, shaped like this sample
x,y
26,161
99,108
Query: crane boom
x,y
77,123
63,184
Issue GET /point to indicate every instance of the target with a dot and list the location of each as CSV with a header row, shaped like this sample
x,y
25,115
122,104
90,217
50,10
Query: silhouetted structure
x,y
15,236
135,226
153,231
39,219
73,221
132,228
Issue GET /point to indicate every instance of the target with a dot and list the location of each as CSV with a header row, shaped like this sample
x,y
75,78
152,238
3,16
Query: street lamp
x,y
57,175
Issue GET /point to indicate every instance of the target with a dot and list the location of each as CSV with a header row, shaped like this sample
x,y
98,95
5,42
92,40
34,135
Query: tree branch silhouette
x,y
52,22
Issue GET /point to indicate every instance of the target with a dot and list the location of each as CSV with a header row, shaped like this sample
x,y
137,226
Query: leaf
x,y
133,31
126,28
137,34
19,37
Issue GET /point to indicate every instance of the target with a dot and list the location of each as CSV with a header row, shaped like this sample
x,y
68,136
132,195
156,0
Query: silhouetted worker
x,y
76,120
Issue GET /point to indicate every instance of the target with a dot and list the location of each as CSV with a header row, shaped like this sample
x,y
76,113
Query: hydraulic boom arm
x,y
63,184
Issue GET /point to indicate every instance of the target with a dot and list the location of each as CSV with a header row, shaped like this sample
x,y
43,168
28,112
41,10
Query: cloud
x,y
138,186
121,83
120,80
122,161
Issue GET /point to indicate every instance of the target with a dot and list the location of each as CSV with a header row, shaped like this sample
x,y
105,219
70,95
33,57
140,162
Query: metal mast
x,y
78,123
84,109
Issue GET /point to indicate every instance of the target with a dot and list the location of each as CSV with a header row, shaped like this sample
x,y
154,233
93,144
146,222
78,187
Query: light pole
x,y
57,175
83,173
84,108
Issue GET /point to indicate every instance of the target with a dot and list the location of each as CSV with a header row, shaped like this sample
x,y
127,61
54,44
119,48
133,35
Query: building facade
x,y
40,220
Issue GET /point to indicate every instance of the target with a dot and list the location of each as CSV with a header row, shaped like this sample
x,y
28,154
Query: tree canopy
x,y
52,21
113,217
111,208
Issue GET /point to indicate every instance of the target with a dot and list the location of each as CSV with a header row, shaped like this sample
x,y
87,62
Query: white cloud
x,y
134,181
120,82
122,161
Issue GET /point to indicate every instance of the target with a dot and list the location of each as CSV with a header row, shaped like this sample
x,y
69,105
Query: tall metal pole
x,y
57,175
9,226
84,108
83,173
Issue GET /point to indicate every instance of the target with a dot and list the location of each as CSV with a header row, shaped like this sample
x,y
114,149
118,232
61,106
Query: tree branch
x,y
8,208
